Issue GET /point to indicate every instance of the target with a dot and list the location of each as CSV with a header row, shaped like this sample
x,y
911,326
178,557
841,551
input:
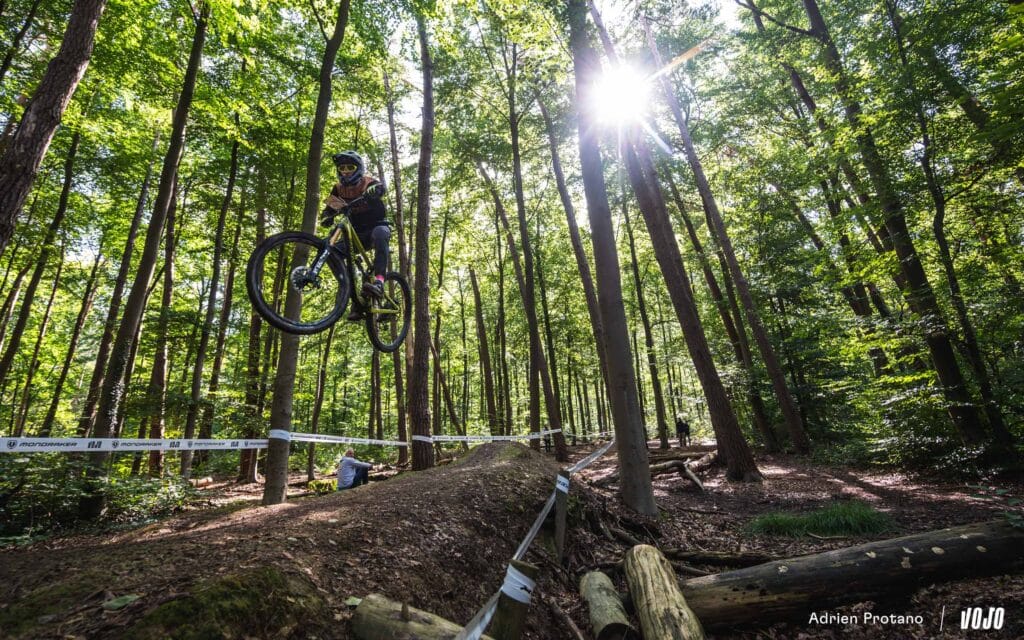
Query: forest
x,y
796,226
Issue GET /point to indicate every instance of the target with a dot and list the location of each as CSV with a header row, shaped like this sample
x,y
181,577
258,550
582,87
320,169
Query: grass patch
x,y
846,518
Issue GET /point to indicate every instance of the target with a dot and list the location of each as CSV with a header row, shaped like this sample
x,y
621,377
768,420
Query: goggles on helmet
x,y
347,168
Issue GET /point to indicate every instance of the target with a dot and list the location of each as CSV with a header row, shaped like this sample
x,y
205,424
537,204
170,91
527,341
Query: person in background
x,y
682,431
352,472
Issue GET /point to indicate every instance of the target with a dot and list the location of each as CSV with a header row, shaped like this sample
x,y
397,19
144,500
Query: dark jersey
x,y
365,214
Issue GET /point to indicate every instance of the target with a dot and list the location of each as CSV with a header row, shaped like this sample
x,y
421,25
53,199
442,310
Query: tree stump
x,y
378,618
607,613
659,602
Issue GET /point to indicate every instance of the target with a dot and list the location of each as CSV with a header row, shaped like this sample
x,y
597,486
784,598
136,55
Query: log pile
x,y
791,589
685,466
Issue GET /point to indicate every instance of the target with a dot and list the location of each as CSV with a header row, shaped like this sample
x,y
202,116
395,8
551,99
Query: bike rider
x,y
368,216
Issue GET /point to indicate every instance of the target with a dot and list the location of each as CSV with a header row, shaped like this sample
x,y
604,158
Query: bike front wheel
x,y
387,322
286,288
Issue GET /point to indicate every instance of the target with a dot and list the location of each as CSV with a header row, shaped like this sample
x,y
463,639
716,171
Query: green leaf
x,y
353,601
120,602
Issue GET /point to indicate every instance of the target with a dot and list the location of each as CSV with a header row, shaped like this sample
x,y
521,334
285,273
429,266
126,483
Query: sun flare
x,y
620,96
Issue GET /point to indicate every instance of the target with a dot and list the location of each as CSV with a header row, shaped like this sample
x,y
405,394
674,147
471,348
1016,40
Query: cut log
x,y
378,618
607,614
660,604
882,571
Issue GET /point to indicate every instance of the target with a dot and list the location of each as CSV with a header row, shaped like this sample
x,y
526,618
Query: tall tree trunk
x,y
76,333
157,391
192,417
501,342
919,293
93,501
403,266
493,421
540,375
577,244
33,363
22,157
731,444
629,430
419,408
652,364
734,329
14,340
995,417
284,378
318,402
87,418
716,225
206,425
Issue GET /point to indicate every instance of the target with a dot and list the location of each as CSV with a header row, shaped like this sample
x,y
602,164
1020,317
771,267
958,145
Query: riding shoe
x,y
374,288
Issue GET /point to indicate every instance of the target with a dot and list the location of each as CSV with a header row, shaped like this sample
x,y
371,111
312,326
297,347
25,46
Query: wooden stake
x,y
510,616
561,509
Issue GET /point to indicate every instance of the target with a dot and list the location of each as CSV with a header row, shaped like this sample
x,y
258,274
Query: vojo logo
x,y
978,618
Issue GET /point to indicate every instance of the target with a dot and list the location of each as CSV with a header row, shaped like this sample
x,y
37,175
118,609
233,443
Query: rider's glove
x,y
374,191
327,217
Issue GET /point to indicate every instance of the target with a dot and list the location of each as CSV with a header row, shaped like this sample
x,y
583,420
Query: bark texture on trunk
x,y
419,406
628,423
23,155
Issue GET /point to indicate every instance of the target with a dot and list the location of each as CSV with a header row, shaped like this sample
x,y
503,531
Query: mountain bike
x,y
290,288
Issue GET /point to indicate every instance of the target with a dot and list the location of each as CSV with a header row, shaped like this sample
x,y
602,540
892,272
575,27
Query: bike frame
x,y
357,264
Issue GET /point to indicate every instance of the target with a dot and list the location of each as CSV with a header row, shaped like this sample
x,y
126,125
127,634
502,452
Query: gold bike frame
x,y
357,264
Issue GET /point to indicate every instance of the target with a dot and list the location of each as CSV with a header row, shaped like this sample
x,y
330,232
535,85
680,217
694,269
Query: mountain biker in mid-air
x,y
368,216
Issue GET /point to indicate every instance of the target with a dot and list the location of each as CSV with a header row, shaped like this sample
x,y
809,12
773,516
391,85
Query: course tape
x,y
517,585
328,439
42,445
475,627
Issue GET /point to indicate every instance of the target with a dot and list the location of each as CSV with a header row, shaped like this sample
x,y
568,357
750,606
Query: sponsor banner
x,y
37,445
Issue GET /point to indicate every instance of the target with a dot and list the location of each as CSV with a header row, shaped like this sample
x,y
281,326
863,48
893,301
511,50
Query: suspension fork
x,y
322,256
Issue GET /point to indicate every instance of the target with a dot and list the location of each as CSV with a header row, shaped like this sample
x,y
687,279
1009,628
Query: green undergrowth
x,y
846,518
52,600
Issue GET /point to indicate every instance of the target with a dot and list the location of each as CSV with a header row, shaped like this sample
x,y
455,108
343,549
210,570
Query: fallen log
x,y
882,571
660,604
680,466
378,618
718,558
607,614
704,462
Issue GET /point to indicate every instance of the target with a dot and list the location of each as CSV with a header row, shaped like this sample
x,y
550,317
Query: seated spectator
x,y
352,472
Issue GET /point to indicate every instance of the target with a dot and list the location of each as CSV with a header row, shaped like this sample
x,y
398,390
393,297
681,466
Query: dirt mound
x,y
438,540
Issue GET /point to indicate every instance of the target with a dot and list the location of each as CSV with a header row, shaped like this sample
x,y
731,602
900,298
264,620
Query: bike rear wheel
x,y
387,321
286,293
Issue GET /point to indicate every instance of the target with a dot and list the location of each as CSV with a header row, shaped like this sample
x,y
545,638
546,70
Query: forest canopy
x,y
795,226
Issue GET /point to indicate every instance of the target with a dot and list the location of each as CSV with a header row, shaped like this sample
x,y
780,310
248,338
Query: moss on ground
x,y
36,607
263,603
